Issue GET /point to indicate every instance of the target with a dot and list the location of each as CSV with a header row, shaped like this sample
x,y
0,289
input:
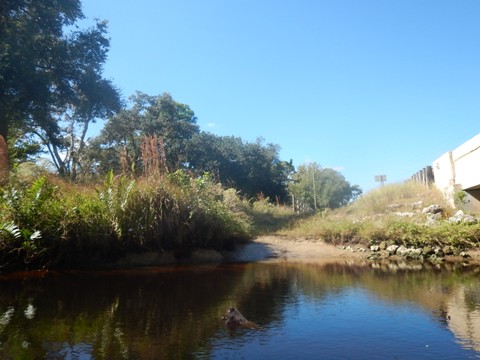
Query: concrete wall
x,y
460,170
467,163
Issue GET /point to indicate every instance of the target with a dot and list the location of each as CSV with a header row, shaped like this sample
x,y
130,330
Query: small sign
x,y
381,178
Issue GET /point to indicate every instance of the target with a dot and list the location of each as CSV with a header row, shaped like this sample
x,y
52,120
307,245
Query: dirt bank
x,y
279,248
273,247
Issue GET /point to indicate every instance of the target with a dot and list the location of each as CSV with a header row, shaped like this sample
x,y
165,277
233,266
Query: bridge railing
x,y
424,176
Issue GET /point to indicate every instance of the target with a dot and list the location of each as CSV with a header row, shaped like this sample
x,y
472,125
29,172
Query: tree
x,y
22,147
173,123
253,168
50,79
321,188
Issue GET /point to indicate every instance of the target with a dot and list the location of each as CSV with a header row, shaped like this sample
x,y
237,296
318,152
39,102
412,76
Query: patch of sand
x,y
280,248
292,249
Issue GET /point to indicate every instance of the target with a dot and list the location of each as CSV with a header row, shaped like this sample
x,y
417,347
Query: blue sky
x,y
367,87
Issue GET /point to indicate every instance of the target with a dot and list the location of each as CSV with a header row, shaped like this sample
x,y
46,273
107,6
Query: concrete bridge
x,y
458,170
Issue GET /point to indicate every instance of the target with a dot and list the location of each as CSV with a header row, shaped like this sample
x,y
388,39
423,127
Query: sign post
x,y
381,179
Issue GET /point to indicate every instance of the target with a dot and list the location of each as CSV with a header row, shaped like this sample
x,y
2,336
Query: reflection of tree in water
x,y
122,315
173,313
265,293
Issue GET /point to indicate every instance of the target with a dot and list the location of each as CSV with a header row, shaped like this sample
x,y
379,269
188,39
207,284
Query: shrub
x,y
71,225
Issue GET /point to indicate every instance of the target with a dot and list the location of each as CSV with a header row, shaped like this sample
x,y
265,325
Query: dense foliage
x,y
52,223
51,85
317,188
253,168
175,142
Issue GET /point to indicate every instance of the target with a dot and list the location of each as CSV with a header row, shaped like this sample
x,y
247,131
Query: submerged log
x,y
234,319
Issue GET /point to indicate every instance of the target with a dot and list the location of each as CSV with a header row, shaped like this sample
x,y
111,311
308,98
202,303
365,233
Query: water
x,y
303,311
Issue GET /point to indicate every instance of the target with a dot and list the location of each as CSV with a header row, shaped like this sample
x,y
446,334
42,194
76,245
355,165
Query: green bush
x,y
69,225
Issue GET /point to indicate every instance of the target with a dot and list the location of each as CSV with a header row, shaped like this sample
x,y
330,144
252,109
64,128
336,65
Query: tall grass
x,y
393,214
47,222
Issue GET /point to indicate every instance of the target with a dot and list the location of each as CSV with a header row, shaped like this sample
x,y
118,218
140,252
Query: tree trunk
x,y
4,164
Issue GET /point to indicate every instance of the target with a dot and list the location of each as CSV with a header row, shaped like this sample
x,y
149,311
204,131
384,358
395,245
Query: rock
x,y
417,204
405,214
374,256
393,207
457,218
427,250
375,248
461,217
464,255
432,209
402,250
392,249
383,245
433,218
469,219
361,249
435,258
415,254
436,216
447,250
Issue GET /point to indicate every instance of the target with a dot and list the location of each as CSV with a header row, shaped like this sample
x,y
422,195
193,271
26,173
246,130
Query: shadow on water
x,y
175,312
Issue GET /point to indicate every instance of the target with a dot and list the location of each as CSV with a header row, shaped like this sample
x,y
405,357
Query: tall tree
x,y
173,123
50,77
253,168
319,188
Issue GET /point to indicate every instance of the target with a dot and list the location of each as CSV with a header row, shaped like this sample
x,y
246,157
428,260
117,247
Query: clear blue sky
x,y
367,87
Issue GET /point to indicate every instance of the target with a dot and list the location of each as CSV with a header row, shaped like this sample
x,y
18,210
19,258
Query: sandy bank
x,y
278,248
273,247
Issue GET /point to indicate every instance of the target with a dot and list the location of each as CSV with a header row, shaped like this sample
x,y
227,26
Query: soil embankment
x,y
273,247
292,249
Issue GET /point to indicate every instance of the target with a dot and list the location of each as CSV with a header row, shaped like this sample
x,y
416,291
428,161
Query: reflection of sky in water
x,y
70,352
350,324
303,312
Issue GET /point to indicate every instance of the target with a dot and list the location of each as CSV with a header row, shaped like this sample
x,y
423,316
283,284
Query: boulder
x,y
402,251
461,217
415,254
392,249
432,209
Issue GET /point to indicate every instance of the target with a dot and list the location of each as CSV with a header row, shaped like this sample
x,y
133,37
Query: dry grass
x,y
391,213
401,197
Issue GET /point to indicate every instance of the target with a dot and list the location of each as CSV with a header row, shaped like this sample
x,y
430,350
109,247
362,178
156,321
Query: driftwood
x,y
234,319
